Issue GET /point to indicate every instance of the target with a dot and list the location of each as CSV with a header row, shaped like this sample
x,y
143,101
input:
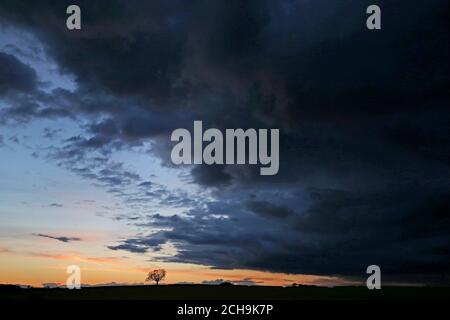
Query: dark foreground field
x,y
213,292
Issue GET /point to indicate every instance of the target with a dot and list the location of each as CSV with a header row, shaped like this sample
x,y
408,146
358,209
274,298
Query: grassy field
x,y
217,292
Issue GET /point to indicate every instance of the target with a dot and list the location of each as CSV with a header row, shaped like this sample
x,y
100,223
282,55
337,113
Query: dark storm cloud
x,y
138,245
211,175
236,44
22,107
364,154
265,208
15,76
20,94
59,238
339,233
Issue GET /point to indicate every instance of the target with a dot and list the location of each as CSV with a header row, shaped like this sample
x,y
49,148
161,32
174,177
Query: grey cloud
x,y
140,245
55,205
268,209
59,238
214,175
243,282
15,76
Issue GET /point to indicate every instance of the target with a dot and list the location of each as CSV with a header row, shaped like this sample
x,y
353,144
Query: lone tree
x,y
156,275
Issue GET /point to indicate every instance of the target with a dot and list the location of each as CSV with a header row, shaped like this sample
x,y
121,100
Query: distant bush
x,y
7,287
226,284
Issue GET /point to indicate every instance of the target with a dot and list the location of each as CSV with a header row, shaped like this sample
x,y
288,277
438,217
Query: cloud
x,y
140,245
268,209
214,282
243,282
5,250
74,257
59,238
101,259
55,205
15,76
337,233
247,282
114,284
364,131
52,285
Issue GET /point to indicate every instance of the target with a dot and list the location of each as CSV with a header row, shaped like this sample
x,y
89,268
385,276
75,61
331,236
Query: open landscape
x,y
224,292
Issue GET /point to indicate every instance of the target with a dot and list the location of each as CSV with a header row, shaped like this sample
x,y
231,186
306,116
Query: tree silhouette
x,y
156,275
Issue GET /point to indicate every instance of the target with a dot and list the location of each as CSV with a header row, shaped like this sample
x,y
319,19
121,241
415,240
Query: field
x,y
219,292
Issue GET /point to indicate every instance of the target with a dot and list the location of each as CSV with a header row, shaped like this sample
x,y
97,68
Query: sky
x,y
86,118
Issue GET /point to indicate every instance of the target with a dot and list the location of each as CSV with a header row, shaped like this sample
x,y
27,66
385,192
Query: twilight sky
x,y
86,118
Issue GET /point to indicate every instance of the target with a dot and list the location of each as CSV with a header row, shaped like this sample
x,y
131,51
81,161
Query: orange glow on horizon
x,y
36,269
